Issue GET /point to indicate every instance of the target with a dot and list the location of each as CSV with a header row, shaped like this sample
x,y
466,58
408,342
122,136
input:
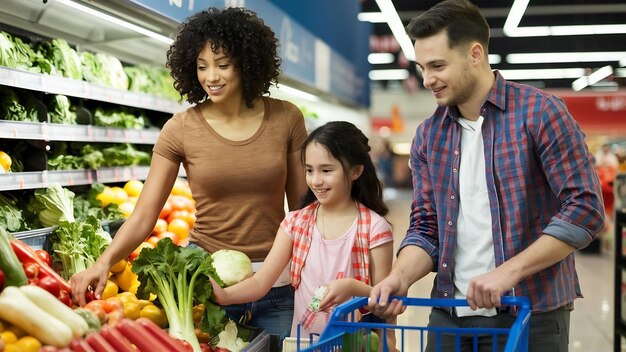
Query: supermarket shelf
x,y
40,179
82,89
77,133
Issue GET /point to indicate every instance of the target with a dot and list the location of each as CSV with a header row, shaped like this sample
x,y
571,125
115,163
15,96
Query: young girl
x,y
337,241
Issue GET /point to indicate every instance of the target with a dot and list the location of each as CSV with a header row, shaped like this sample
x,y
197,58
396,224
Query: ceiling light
x,y
495,59
388,75
593,78
380,58
117,21
397,28
516,13
372,17
536,58
548,73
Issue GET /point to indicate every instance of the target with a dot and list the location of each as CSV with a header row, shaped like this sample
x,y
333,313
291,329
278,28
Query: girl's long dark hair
x,y
346,143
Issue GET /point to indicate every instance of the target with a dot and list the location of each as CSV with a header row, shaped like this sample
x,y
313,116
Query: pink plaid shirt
x,y
301,231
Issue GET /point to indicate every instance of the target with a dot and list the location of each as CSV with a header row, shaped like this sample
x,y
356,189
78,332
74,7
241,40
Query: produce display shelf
x,y
77,133
41,179
81,89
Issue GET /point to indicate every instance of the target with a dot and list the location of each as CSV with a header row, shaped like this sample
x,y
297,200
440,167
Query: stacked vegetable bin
x,y
66,141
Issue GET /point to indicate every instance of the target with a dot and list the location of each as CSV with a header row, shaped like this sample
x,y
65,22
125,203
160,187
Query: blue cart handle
x,y
340,312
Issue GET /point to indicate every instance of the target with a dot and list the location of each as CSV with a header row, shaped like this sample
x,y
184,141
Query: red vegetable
x,y
166,340
31,269
44,255
99,344
144,340
115,338
27,255
78,345
51,285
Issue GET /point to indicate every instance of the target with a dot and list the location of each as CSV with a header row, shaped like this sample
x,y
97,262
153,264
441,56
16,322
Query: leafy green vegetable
x,y
79,244
179,278
118,118
52,205
59,110
12,109
11,217
125,155
63,57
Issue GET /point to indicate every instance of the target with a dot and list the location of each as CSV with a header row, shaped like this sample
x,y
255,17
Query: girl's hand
x,y
219,294
337,291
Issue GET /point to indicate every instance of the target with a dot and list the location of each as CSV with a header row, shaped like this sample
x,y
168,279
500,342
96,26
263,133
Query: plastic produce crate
x,y
260,343
341,334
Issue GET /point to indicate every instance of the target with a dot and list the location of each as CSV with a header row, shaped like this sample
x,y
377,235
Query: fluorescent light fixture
x,y
511,26
495,59
622,62
372,17
593,78
397,28
536,58
380,58
548,73
297,93
388,75
117,21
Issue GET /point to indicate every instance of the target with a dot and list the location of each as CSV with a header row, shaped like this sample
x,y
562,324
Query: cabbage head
x,y
231,266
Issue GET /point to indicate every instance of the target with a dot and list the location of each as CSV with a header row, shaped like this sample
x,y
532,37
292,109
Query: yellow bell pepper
x,y
110,290
154,314
127,279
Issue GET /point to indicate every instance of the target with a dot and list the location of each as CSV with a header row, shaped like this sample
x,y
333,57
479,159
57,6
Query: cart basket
x,y
343,334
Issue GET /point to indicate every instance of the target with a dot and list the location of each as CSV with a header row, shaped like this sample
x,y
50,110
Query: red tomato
x,y
1,280
31,270
44,255
51,285
205,347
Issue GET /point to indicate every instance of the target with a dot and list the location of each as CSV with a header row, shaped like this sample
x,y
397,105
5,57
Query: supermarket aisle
x,y
591,321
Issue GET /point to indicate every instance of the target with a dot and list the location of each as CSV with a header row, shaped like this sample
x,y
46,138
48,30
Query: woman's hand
x,y
94,277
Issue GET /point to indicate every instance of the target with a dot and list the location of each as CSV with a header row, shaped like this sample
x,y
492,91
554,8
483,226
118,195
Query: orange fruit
x,y
127,208
153,240
159,227
169,235
5,161
106,196
165,212
133,188
179,227
119,195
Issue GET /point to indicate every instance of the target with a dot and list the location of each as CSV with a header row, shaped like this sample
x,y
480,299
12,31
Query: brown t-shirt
x,y
238,186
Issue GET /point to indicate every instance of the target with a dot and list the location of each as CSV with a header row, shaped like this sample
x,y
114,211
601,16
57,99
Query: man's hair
x,y
461,19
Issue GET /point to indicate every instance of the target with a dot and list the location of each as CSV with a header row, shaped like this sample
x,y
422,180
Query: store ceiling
x,y
537,13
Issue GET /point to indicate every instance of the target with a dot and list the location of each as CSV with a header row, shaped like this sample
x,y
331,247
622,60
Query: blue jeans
x,y
273,312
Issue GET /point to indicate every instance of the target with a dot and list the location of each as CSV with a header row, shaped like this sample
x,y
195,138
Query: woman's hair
x,y
346,143
249,43
461,19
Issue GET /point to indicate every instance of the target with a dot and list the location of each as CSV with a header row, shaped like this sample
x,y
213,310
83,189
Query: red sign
x,y
597,112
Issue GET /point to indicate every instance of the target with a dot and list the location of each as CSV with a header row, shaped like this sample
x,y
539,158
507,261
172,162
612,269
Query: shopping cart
x,y
343,334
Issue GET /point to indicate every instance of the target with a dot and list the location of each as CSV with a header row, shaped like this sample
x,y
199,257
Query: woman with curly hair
x,y
240,150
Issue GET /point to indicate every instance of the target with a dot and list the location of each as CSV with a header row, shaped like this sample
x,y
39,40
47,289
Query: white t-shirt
x,y
328,260
474,254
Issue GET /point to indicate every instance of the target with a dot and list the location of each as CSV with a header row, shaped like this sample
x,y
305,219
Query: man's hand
x,y
379,297
486,290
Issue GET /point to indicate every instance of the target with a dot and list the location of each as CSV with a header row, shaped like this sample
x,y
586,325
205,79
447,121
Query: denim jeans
x,y
273,313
